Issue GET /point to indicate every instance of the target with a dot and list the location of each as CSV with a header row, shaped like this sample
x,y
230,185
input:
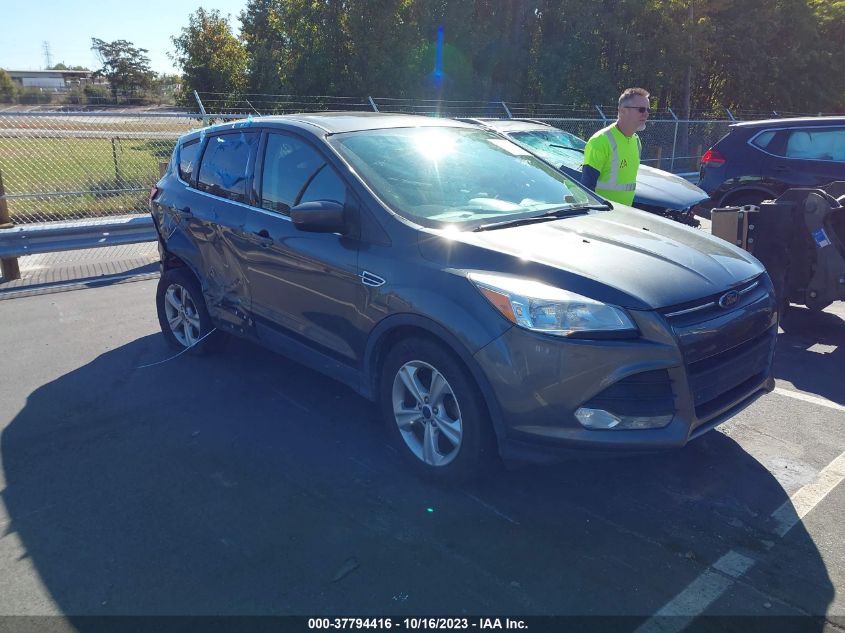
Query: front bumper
x,y
715,362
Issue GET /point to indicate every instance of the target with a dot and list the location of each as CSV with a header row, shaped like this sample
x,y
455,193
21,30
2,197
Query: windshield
x,y
458,176
555,146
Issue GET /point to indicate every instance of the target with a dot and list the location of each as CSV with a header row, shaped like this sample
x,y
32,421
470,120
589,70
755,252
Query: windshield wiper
x,y
554,214
574,149
592,207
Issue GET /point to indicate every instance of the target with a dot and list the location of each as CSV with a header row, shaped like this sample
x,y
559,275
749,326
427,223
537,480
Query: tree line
x,y
692,55
699,55
125,68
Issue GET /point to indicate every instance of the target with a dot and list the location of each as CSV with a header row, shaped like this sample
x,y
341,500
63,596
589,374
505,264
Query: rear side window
x,y
188,154
290,165
817,144
226,164
763,140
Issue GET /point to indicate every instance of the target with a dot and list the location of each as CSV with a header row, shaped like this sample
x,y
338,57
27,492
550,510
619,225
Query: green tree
x,y
62,66
696,54
260,26
126,67
831,19
166,88
384,38
8,89
212,59
316,49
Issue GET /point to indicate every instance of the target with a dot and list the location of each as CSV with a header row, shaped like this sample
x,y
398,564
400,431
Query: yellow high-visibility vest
x,y
617,158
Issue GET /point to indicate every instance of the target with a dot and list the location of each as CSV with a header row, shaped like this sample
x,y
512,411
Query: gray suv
x,y
489,304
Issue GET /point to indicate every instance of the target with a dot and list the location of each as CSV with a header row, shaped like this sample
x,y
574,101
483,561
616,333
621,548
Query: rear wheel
x,y
434,412
748,197
182,314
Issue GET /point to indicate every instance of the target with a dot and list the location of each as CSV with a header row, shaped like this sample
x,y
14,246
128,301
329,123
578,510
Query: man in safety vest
x,y
612,155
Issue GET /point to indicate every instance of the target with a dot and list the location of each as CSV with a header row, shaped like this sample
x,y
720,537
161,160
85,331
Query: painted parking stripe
x,y
800,504
798,395
721,575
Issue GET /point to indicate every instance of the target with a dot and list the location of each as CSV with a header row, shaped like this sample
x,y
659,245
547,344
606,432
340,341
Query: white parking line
x,y
721,575
798,395
792,511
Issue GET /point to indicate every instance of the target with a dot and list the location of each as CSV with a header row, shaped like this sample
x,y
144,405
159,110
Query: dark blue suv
x,y
759,160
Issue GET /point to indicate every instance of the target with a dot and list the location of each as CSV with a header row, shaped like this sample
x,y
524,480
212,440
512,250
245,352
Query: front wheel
x,y
434,412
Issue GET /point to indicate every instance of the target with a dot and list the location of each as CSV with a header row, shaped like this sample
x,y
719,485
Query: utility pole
x,y
681,144
48,58
688,78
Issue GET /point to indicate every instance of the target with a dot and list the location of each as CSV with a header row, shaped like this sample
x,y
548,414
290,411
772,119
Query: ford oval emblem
x,y
729,299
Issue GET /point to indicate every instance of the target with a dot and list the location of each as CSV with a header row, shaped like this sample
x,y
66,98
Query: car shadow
x,y
811,352
243,483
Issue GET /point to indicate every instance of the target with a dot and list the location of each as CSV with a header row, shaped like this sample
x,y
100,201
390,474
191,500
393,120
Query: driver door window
x,y
291,167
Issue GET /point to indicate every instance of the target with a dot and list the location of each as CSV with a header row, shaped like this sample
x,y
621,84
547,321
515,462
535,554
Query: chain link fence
x,y
66,166
671,145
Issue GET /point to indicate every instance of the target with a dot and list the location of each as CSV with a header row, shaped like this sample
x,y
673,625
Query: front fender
x,y
382,335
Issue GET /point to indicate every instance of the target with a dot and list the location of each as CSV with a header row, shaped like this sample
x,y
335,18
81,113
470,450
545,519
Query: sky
x,y
69,26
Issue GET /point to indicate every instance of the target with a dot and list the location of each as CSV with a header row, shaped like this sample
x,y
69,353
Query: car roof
x,y
510,125
816,121
337,122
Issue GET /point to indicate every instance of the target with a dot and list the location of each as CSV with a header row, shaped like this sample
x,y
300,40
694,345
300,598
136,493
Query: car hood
x,y
660,188
625,256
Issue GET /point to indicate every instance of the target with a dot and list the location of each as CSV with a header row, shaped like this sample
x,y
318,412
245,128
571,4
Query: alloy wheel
x,y
427,413
182,315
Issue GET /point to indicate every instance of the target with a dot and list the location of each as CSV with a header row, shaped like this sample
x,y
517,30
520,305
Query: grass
x,y
94,165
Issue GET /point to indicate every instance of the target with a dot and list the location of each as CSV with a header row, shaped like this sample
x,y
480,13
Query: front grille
x,y
645,394
706,307
727,352
713,380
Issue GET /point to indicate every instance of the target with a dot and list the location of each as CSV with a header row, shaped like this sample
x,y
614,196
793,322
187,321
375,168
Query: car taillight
x,y
712,157
153,193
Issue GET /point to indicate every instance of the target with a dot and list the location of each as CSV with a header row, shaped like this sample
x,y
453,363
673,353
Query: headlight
x,y
543,308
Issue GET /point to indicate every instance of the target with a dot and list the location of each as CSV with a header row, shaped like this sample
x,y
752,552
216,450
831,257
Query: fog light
x,y
601,419
597,418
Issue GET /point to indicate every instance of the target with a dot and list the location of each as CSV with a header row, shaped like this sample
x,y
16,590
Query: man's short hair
x,y
629,93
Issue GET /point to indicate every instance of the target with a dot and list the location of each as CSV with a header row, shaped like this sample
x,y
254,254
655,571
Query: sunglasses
x,y
639,109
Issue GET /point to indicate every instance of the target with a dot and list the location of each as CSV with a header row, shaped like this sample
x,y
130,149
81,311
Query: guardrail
x,y
31,239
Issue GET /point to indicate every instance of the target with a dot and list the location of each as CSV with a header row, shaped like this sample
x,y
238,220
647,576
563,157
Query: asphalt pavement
x,y
244,484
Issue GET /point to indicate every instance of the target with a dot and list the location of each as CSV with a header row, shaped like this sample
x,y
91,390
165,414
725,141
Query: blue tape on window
x,y
821,238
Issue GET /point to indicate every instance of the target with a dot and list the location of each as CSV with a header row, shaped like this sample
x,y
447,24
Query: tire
x,y
749,197
443,432
182,313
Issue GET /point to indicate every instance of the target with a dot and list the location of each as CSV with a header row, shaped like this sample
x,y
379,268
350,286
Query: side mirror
x,y
320,216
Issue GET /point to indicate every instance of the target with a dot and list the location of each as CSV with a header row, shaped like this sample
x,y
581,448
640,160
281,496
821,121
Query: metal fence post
x,y
601,114
507,110
202,109
8,265
118,177
674,142
373,104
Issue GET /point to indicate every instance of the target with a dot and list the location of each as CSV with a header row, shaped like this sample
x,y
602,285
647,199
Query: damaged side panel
x,y
205,241
201,216
225,286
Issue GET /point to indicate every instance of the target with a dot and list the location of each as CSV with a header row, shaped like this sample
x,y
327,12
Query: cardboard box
x,y
735,224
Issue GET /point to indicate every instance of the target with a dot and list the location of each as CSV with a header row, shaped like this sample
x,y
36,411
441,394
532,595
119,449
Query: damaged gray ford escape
x,y
487,302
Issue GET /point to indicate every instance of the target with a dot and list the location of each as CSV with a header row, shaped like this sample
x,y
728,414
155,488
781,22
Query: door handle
x,y
264,240
186,211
